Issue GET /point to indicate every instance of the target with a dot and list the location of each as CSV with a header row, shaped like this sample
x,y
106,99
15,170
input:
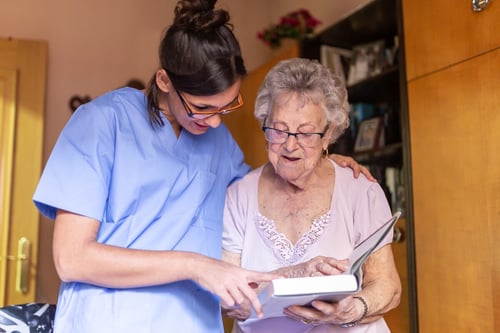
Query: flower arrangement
x,y
296,24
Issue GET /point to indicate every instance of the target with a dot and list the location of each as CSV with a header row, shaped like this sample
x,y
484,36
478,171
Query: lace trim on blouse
x,y
283,247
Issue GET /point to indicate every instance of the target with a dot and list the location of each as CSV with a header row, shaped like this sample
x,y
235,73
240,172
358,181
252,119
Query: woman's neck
x,y
165,109
316,177
176,127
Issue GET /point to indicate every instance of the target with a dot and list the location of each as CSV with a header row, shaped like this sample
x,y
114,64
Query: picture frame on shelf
x,y
370,135
367,60
336,59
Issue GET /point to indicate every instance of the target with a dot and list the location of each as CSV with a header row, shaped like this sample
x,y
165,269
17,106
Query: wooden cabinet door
x,y
439,33
455,147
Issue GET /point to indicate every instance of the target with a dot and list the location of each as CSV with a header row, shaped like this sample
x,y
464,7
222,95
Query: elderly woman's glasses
x,y
274,135
195,112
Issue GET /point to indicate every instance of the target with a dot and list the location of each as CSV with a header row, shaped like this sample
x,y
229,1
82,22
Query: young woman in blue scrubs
x,y
136,185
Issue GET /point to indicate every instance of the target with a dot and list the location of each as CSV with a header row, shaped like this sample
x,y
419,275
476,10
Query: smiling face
x,y
175,106
199,125
291,161
195,125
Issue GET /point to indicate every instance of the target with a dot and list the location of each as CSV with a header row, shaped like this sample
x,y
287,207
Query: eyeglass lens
x,y
235,104
274,135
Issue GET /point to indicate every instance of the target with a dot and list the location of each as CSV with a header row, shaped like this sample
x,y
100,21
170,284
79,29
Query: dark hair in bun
x,y
199,52
198,16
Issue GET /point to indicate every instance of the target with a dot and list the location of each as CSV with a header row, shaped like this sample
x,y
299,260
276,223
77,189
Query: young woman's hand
x,y
347,161
234,285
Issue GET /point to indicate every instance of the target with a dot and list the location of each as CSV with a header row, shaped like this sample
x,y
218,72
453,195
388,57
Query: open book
x,y
281,293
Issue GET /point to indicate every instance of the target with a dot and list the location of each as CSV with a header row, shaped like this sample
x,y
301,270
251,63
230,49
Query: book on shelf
x,y
281,293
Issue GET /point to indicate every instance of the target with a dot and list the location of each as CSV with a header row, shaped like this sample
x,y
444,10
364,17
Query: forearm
x,y
381,284
381,297
116,267
79,257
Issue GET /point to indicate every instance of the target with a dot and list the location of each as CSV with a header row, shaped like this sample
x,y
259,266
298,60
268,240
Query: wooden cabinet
x,y
439,33
377,21
453,61
455,135
242,123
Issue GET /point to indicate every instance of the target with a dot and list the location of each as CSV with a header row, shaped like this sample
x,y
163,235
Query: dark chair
x,y
27,318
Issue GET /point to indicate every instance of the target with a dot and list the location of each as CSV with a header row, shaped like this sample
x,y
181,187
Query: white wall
x,y
95,46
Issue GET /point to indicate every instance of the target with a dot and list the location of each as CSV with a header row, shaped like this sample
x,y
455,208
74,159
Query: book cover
x,y
281,293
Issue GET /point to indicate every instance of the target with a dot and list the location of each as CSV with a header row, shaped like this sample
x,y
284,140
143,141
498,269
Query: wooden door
x,y
8,84
22,101
455,147
439,33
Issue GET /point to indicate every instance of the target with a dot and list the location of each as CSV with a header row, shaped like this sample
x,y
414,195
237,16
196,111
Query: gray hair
x,y
312,82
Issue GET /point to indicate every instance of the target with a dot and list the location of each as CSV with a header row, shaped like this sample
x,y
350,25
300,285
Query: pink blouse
x,y
358,208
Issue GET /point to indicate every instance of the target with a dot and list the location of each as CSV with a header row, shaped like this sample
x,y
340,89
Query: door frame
x,y
8,84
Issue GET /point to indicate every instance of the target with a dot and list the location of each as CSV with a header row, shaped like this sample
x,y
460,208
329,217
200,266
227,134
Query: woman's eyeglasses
x,y
198,113
274,135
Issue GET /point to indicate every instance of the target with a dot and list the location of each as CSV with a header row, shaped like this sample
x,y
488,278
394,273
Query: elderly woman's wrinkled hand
x,y
347,311
321,265
238,311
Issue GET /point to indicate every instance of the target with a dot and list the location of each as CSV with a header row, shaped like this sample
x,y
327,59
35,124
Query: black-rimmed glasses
x,y
274,135
209,112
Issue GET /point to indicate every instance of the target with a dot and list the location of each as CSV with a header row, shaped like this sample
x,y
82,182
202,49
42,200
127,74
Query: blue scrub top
x,y
150,190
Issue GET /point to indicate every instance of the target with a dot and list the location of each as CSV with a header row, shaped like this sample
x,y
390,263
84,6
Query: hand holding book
x,y
281,293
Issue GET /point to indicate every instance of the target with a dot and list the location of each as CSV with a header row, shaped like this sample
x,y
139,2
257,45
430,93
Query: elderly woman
x,y
301,214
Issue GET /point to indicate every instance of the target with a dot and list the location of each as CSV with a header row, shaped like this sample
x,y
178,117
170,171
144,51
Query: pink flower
x,y
296,25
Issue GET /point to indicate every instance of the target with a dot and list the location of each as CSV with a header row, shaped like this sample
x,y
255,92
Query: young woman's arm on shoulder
x,y
347,161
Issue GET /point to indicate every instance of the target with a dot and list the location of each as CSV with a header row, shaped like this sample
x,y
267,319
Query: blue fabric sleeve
x,y
76,176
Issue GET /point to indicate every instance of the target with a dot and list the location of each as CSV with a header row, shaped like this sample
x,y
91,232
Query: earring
x,y
324,152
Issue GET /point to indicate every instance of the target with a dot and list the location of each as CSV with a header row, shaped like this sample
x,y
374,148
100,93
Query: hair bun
x,y
199,15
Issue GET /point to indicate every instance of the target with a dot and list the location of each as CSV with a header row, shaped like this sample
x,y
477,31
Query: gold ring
x,y
307,322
